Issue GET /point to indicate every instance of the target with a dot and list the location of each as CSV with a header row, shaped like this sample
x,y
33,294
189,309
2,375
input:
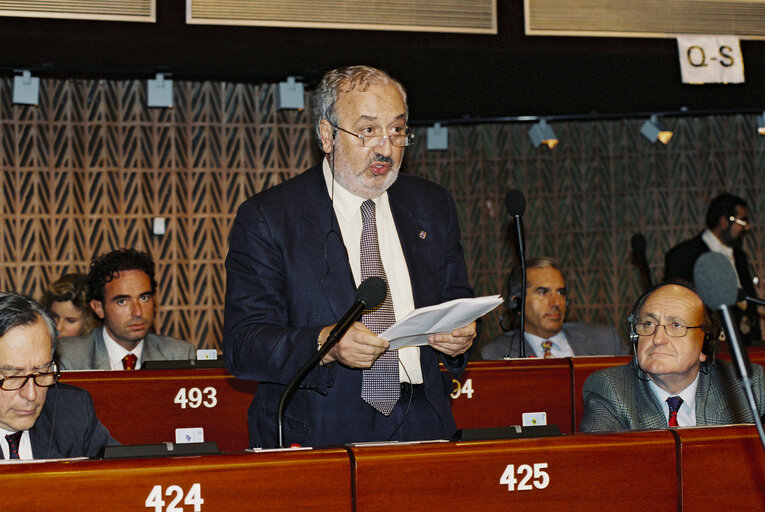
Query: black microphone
x,y
717,285
638,243
370,294
515,202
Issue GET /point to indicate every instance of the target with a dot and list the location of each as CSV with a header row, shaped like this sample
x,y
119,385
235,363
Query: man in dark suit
x,y
546,335
121,288
297,255
674,379
728,224
38,417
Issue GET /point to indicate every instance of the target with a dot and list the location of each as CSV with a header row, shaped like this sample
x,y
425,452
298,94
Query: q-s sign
x,y
710,59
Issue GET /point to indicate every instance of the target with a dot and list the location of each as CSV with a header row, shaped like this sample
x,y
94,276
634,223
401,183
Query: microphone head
x,y
372,292
638,243
515,202
715,280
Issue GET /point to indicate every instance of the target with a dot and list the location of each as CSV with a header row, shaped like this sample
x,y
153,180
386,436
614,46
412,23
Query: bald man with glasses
x,y
40,418
674,379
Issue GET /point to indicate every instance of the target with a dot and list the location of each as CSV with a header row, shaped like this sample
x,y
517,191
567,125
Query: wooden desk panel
x,y
722,468
140,407
621,471
581,368
497,393
302,480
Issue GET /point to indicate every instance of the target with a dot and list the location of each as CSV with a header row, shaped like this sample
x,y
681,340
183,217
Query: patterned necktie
x,y
547,345
128,362
13,444
674,403
380,385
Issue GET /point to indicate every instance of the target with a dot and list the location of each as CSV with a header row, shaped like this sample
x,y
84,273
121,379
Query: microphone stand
x,y
741,361
305,370
521,252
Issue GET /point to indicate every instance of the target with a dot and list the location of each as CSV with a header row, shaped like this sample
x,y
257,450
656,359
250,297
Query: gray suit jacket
x,y
89,352
617,399
585,340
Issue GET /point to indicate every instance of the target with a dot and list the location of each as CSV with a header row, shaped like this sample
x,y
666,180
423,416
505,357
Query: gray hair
x,y
346,79
17,311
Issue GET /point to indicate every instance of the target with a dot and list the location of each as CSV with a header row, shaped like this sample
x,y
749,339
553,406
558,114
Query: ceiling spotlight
x,y
761,124
542,133
289,95
653,130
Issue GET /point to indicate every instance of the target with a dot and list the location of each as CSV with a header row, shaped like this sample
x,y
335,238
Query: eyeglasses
x,y
43,380
741,222
372,141
674,329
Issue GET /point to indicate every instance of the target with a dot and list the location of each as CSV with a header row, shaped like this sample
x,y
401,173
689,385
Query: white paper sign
x,y
710,59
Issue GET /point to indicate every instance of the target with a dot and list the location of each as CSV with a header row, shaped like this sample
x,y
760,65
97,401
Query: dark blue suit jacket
x,y
68,426
288,275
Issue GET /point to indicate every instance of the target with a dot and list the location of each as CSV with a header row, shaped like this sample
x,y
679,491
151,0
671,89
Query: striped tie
x,y
380,385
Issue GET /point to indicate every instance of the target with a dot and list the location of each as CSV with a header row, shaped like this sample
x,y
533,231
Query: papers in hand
x,y
413,330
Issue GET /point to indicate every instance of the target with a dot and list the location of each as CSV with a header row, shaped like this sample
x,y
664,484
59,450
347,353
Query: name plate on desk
x,y
158,450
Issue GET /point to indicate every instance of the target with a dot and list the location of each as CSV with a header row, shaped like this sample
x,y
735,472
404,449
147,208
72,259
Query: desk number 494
x,y
525,478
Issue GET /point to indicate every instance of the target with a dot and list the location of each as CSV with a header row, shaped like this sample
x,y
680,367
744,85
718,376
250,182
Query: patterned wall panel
x,y
87,169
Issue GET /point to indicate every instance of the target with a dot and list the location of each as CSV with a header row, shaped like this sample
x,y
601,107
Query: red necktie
x,y
128,362
674,403
13,444
547,345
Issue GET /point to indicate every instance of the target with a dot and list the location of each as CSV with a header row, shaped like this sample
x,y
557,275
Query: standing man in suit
x,y
40,419
295,260
546,335
121,287
674,359
728,223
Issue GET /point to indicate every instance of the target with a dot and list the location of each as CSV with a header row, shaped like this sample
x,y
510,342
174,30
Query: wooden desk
x,y
301,480
146,406
622,471
722,468
497,393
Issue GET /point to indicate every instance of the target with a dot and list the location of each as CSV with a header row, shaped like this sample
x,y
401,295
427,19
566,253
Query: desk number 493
x,y
193,497
538,476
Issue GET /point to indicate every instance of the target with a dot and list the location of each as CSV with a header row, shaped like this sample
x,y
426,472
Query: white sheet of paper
x,y
413,330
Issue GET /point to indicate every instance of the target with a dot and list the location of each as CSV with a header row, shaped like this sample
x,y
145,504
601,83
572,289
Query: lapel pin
x,y
423,234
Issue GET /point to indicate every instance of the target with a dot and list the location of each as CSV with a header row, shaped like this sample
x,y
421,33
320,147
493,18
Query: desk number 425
x,y
538,476
193,497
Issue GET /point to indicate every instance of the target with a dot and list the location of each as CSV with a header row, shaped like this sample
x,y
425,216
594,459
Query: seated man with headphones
x,y
674,379
545,333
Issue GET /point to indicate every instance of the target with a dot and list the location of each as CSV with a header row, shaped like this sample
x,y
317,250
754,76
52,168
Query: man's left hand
x,y
455,343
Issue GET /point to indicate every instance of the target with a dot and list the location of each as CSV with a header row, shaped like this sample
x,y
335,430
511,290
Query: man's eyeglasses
x,y
741,222
674,329
373,141
43,380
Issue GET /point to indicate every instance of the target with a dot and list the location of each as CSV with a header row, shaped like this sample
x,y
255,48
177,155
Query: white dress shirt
x,y
686,414
347,208
117,352
25,445
560,345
